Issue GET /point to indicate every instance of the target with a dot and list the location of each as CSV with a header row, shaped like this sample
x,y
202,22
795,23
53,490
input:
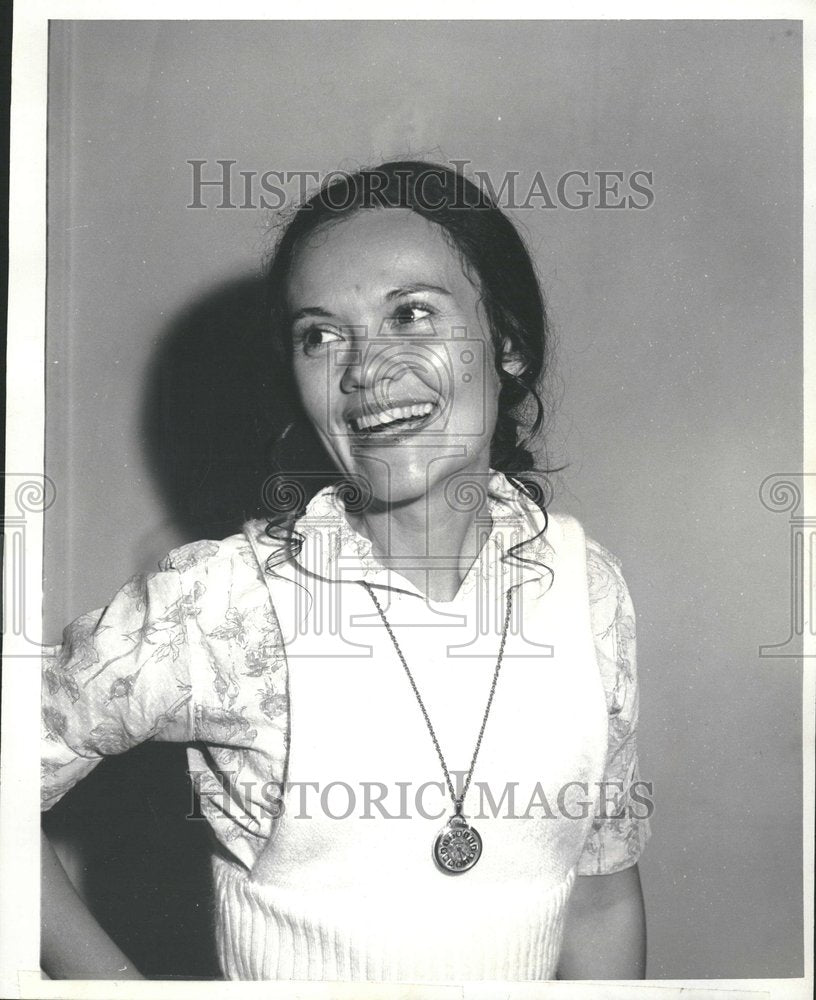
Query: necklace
x,y
457,846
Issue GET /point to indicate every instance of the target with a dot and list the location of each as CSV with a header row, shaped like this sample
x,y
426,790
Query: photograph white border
x,y
19,778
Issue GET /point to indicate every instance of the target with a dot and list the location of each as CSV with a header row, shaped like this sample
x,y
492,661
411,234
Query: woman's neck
x,y
427,542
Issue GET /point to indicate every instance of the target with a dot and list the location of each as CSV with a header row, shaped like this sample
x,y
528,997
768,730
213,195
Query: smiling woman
x,y
432,304
411,613
382,379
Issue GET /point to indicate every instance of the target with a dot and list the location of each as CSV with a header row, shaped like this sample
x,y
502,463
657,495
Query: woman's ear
x,y
512,361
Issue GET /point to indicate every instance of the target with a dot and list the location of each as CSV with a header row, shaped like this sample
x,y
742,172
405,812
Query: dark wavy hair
x,y
496,261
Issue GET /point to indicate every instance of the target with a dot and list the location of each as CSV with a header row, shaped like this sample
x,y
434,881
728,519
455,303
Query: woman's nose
x,y
350,360
366,364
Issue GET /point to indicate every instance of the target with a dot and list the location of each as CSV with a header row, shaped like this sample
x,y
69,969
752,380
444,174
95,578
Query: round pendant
x,y
457,847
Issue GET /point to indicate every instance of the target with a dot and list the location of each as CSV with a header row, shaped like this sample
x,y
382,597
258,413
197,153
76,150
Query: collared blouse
x,y
195,653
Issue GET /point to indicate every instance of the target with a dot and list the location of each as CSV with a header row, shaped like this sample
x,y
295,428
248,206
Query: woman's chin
x,y
396,487
409,478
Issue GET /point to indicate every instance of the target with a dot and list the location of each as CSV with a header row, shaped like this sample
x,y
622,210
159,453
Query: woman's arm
x,y
605,933
120,677
73,945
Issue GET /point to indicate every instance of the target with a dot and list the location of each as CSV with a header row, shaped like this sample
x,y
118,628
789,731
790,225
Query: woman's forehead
x,y
371,249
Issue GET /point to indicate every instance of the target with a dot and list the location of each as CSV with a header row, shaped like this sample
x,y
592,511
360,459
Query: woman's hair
x,y
494,258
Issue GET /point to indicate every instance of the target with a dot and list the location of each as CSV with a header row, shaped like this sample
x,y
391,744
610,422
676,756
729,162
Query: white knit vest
x,y
359,897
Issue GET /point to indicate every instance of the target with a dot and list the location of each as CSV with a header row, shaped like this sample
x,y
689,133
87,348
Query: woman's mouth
x,y
395,421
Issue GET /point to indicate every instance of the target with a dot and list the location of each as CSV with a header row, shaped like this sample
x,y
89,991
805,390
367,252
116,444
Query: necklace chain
x,y
457,800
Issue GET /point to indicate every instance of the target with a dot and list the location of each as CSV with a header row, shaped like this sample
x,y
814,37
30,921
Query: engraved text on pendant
x,y
457,847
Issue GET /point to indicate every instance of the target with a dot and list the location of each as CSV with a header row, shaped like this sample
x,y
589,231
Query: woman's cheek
x,y
309,382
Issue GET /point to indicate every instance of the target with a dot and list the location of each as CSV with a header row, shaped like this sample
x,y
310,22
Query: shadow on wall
x,y
212,408
144,868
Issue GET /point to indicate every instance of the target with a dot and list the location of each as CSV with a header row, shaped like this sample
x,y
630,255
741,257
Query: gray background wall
x,y
678,370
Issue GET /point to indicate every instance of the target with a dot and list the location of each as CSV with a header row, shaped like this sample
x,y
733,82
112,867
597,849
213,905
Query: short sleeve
x,y
620,827
120,677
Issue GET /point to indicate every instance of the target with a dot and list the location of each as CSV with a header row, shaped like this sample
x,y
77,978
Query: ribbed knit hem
x,y
264,932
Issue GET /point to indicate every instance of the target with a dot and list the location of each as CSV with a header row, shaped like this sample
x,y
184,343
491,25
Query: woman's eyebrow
x,y
396,293
309,311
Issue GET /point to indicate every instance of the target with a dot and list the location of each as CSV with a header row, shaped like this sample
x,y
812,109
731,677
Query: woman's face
x,y
392,355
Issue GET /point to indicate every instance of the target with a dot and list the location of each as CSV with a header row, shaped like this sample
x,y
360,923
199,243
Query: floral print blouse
x,y
194,653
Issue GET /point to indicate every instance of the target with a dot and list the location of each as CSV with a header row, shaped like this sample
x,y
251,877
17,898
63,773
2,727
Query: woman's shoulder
x,y
609,598
243,551
612,618
602,562
604,571
613,623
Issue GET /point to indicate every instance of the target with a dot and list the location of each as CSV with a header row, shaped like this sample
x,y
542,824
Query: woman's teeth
x,y
374,421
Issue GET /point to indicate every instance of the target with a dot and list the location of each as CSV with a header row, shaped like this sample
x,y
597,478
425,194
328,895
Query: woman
x,y
410,615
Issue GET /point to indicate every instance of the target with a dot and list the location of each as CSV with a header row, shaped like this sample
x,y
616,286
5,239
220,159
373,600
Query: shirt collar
x,y
514,552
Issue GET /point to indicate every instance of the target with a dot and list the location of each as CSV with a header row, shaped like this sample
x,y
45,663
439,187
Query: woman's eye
x,y
317,337
411,312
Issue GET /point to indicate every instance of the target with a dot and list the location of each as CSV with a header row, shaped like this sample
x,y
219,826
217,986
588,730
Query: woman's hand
x,y
73,945
605,933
